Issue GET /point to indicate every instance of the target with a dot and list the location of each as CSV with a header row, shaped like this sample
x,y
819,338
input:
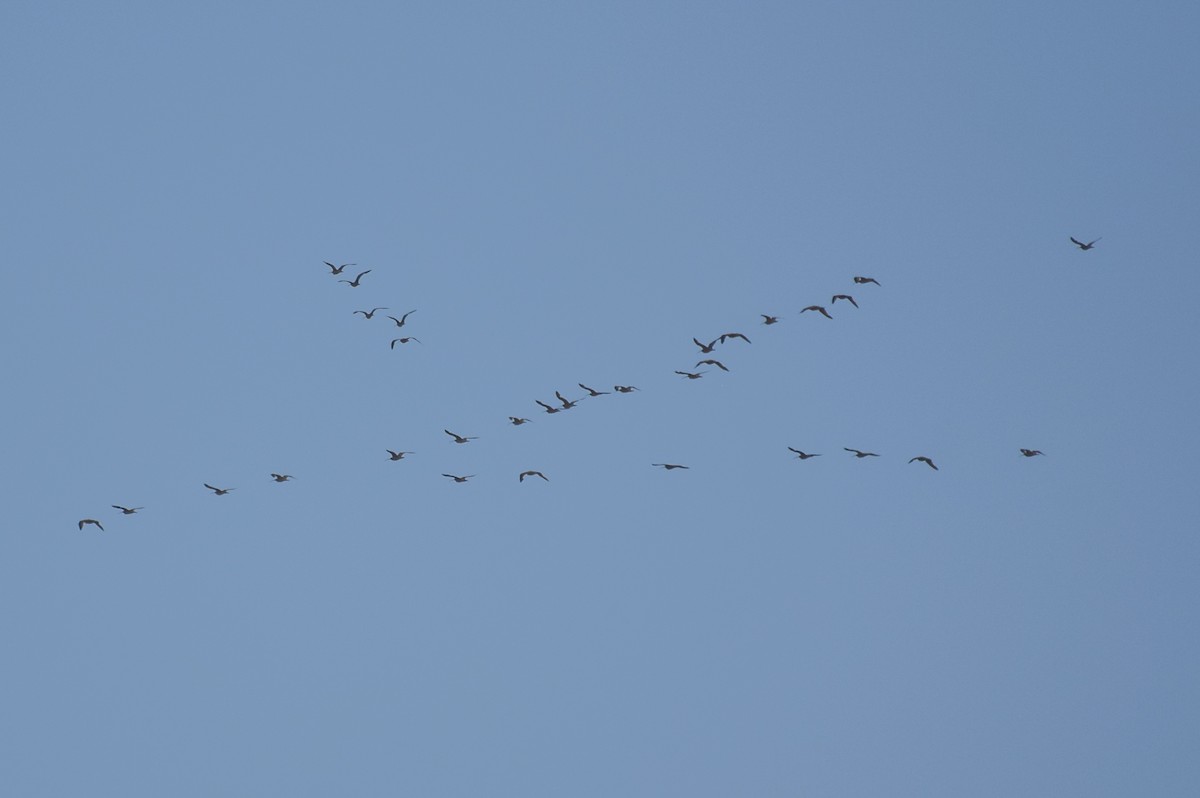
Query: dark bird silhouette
x,y
706,348
669,466
865,280
400,321
354,283
397,455
524,474
402,340
711,362
566,404
624,388
857,453
733,335
368,314
460,438
458,479
127,510
339,269
925,460
549,409
802,455
593,391
769,319
518,421
692,375
818,309
282,477
1083,246
218,491
1032,452
846,297
90,521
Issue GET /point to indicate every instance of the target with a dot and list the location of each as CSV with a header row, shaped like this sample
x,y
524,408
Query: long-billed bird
x,y
218,491
846,297
707,348
402,341
865,280
692,375
733,335
524,474
90,521
818,309
457,478
1083,246
339,269
396,455
459,438
127,510
400,321
925,460
711,362
802,455
368,314
566,404
858,453
1032,452
549,409
282,477
593,391
669,466
769,319
624,388
516,422
354,283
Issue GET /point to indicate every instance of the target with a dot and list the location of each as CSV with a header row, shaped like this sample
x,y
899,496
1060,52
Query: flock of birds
x,y
565,404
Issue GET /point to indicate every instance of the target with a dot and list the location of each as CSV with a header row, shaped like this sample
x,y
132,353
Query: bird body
x,y
282,477
925,460
396,455
624,388
860,454
705,348
524,474
127,510
354,283
90,521
769,319
566,404
457,478
802,455
865,280
518,421
711,362
402,340
1032,452
818,309
669,466
549,409
339,269
733,335
459,438
846,297
692,375
367,314
593,391
400,321
1083,246
218,491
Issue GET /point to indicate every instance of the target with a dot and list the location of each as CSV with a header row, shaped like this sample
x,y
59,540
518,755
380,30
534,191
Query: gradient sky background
x,y
566,193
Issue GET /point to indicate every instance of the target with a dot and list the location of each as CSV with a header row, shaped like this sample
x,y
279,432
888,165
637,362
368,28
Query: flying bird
x,y
733,335
90,521
769,319
593,391
368,314
624,388
218,491
354,283
396,455
1032,452
668,466
925,460
458,479
400,321
566,405
282,477
818,309
1083,246
802,455
402,340
460,438
524,474
857,453
518,421
339,269
549,409
706,348
692,375
865,280
846,297
127,510
711,362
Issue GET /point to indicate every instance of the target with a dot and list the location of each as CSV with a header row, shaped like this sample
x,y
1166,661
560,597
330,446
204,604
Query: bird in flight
x,y
769,319
733,335
396,455
925,460
354,283
400,321
218,491
706,348
669,466
593,391
1083,246
818,309
865,280
802,455
847,297
339,269
282,477
460,438
524,474
90,521
692,375
518,421
624,388
566,405
127,510
857,453
402,340
458,479
368,314
711,362
1032,452
549,409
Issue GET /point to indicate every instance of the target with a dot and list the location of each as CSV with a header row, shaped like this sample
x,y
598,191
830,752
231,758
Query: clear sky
x,y
569,193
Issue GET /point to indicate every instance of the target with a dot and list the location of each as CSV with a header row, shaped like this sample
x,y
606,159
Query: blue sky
x,y
570,193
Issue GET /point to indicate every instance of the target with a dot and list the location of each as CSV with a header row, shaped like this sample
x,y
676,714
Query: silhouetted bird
x,y
865,280
857,453
705,348
549,409
1083,246
90,521
716,363
402,341
339,269
368,314
818,309
566,405
354,283
282,477
669,466
397,455
846,297
802,455
459,438
624,388
925,460
400,321
769,319
218,491
733,335
127,510
592,391
692,375
518,421
1032,452
524,474
459,479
